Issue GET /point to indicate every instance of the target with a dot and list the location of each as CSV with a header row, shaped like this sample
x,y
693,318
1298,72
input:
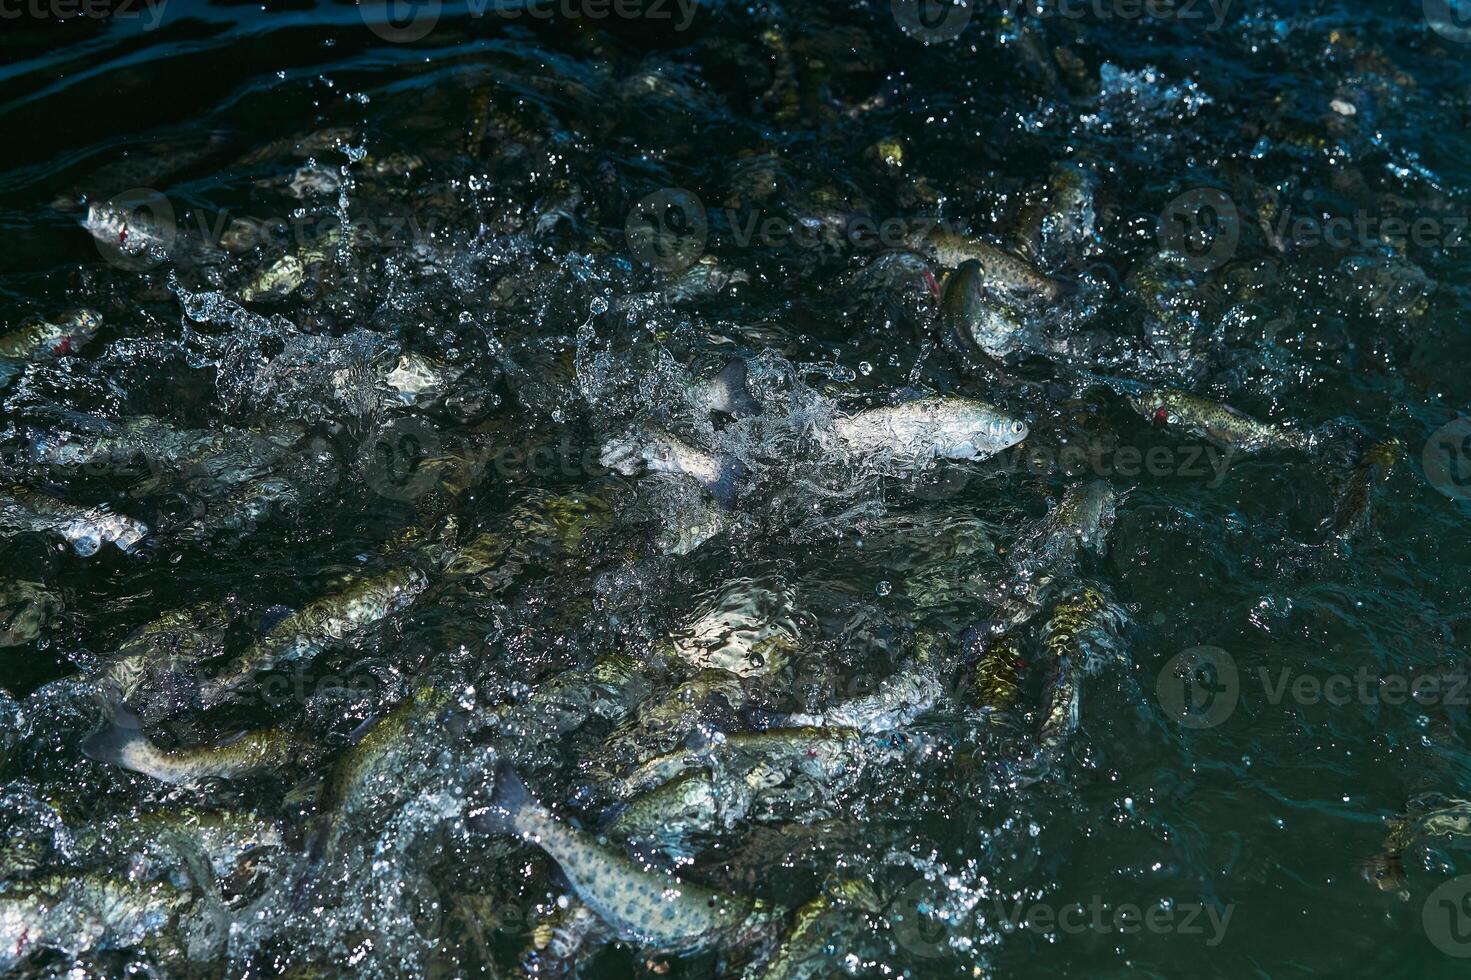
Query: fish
x,y
1430,817
665,818
811,949
749,628
1223,425
1002,274
80,914
225,838
660,452
649,908
971,321
1073,626
86,529
173,644
1351,514
763,757
1049,551
997,672
728,392
123,742
363,772
916,432
899,700
38,339
365,600
25,609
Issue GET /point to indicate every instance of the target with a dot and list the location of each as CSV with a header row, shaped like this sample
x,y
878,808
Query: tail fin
x,y
723,487
117,740
510,798
730,391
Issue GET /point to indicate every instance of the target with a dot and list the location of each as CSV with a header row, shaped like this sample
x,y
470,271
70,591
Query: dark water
x,y
1278,205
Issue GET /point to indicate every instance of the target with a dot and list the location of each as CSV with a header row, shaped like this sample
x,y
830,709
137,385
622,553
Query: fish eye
x,y
1018,427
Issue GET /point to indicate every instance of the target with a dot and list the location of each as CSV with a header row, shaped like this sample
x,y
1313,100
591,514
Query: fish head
x,y
1155,406
24,610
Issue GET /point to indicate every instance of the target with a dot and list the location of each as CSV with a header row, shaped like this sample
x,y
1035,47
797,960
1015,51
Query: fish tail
x,y
723,486
118,741
733,390
510,798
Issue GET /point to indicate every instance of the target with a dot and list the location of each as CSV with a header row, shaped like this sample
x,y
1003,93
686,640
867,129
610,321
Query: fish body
x,y
25,609
658,451
1003,275
175,642
124,743
1351,515
363,772
996,674
224,837
899,700
666,817
1064,646
1428,818
916,432
649,908
1221,424
86,529
727,392
50,338
970,320
1080,520
761,758
75,915
330,619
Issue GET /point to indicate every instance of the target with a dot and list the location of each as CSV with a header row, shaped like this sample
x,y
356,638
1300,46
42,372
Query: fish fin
x,y
112,742
510,797
733,389
1064,287
723,487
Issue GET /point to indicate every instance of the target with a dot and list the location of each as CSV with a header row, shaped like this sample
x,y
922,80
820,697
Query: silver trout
x,y
649,908
935,427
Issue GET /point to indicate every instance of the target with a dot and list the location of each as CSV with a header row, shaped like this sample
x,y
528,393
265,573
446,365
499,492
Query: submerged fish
x,y
124,743
1010,278
972,321
1220,423
727,392
174,643
361,603
1081,520
86,529
645,907
1427,818
76,915
660,452
936,427
25,609
363,772
38,339
899,700
1351,515
766,757
1076,623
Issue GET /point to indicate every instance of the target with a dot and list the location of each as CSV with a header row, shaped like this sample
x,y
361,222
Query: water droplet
x,y
883,588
